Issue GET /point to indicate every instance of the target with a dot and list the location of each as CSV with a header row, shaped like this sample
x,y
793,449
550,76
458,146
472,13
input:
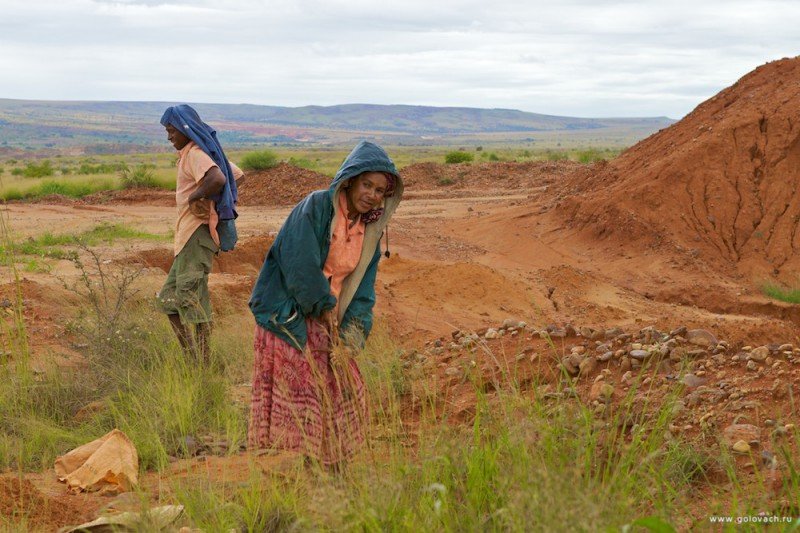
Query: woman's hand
x,y
328,319
200,208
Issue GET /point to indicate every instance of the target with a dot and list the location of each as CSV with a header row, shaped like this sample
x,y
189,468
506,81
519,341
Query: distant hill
x,y
118,126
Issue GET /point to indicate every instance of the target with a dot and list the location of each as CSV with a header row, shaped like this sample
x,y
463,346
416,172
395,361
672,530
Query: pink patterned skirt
x,y
300,403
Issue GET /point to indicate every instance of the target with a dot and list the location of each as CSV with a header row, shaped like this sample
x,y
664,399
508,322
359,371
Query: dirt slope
x,y
721,184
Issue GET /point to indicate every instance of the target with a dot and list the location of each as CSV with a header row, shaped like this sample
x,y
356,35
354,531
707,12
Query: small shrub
x,y
139,176
590,156
303,162
493,157
791,295
17,171
458,157
43,169
11,194
557,156
445,181
64,188
101,168
261,160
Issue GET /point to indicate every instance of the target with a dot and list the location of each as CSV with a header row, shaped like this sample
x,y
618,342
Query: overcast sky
x,y
578,58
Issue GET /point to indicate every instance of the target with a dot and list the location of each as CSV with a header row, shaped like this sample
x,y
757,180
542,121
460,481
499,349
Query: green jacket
x,y
291,285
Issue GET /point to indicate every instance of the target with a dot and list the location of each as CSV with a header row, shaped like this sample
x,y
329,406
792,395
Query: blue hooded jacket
x,y
291,285
186,120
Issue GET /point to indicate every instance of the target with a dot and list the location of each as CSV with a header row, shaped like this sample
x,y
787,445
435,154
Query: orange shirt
x,y
193,164
345,250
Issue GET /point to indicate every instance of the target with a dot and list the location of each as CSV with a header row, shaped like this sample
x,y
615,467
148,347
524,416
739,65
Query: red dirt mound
x,y
283,184
493,175
20,501
245,259
154,197
720,184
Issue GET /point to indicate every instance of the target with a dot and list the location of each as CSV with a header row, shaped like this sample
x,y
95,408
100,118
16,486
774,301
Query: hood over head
x,y
369,157
185,119
365,157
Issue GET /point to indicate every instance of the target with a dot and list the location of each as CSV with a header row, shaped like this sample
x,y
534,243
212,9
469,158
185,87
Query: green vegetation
x,y
304,162
78,176
139,176
260,160
51,245
556,155
72,189
590,156
40,170
777,292
89,168
458,157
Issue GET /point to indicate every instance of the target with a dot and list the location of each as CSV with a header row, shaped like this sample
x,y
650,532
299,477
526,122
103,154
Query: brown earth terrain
x,y
647,267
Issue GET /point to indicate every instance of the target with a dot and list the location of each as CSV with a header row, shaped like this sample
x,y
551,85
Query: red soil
x,y
283,184
22,502
721,184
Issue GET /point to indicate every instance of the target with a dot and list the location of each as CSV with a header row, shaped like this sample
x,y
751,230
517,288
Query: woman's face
x,y
176,137
366,192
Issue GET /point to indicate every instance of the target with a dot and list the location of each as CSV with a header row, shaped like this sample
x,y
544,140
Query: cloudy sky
x,y
576,57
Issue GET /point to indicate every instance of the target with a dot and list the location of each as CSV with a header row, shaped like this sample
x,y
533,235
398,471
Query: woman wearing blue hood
x,y
316,290
205,197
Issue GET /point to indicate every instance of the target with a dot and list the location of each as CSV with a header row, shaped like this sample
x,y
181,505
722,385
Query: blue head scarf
x,y
186,120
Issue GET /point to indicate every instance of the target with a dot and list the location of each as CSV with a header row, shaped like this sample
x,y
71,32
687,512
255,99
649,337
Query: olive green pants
x,y
185,292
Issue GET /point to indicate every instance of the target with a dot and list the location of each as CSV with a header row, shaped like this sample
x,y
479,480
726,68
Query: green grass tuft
x,y
261,160
141,175
458,157
790,295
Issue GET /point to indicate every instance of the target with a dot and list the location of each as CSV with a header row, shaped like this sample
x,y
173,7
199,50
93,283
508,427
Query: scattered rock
x,y
741,446
759,354
701,337
743,432
692,381
587,366
607,356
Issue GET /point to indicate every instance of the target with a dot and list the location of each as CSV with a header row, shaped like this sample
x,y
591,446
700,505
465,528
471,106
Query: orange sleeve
x,y
237,172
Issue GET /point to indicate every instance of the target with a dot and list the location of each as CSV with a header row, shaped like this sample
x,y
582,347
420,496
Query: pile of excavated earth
x,y
719,186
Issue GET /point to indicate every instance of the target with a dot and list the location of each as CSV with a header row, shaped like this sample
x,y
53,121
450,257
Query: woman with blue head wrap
x,y
205,196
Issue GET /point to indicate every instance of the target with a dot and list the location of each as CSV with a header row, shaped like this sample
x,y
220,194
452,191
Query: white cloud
x,y
580,58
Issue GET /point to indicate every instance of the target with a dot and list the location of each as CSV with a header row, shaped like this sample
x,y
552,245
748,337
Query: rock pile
x,y
737,396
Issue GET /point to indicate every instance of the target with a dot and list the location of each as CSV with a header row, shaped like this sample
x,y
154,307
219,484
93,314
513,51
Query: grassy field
x,y
76,177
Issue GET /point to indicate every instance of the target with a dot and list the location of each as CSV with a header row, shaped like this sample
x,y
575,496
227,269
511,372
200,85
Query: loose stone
x,y
741,447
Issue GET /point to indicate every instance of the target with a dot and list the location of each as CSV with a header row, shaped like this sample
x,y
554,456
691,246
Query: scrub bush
x,y
43,169
261,160
139,176
458,157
